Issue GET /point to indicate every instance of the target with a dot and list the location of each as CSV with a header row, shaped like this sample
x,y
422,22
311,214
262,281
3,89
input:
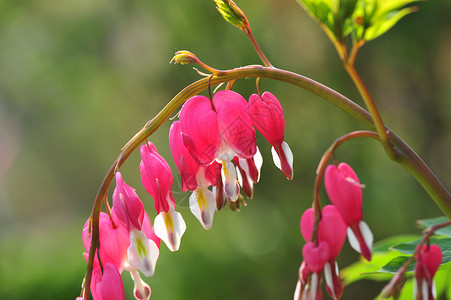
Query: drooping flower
x,y
107,285
345,192
332,230
126,205
114,241
156,176
195,177
237,137
315,257
267,115
429,258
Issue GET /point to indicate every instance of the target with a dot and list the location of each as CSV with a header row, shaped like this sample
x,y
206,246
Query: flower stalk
x,y
322,168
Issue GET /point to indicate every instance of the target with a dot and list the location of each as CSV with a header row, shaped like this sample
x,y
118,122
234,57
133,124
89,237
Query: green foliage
x,y
387,259
364,19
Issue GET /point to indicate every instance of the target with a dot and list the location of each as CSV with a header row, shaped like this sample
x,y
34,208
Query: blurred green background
x,y
79,78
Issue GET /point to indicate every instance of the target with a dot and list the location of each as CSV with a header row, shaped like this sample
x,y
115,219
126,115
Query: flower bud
x,y
232,13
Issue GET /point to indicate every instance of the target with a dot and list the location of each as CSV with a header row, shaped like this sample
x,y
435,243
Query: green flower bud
x,y
232,13
184,57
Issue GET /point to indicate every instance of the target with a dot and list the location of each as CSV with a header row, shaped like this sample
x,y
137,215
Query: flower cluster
x,y
213,145
334,222
127,242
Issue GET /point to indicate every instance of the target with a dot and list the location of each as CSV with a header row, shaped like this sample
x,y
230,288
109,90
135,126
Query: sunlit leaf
x,y
367,270
372,18
393,265
386,22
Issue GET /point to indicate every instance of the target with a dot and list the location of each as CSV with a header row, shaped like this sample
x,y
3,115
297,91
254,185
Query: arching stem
x,y
405,155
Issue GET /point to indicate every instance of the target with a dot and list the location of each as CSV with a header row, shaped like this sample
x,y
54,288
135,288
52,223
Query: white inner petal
x,y
353,240
367,235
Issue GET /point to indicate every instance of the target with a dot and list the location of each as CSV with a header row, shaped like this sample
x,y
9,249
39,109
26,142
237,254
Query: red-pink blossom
x,y
345,192
126,205
200,129
429,258
267,116
114,241
331,228
156,177
236,129
107,285
186,164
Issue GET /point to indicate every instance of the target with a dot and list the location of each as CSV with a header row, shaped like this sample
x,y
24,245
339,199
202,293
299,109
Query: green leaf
x,y
366,270
381,256
386,22
430,222
372,18
393,265
443,243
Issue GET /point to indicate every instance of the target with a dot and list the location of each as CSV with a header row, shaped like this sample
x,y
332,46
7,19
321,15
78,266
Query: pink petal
x,y
156,177
126,205
200,128
344,191
149,231
267,115
235,125
114,241
331,228
185,163
107,286
315,256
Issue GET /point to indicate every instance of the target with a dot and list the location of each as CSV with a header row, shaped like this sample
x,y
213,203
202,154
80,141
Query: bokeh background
x,y
79,78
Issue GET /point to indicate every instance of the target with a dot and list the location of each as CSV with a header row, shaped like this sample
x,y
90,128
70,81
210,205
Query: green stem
x,y
257,48
405,155
371,106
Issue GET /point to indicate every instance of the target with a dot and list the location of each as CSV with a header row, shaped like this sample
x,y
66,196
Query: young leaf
x,y
372,18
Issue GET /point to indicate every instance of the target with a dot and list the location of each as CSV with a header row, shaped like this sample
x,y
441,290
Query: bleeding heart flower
x,y
429,258
114,241
332,230
156,177
107,286
127,206
345,192
267,115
